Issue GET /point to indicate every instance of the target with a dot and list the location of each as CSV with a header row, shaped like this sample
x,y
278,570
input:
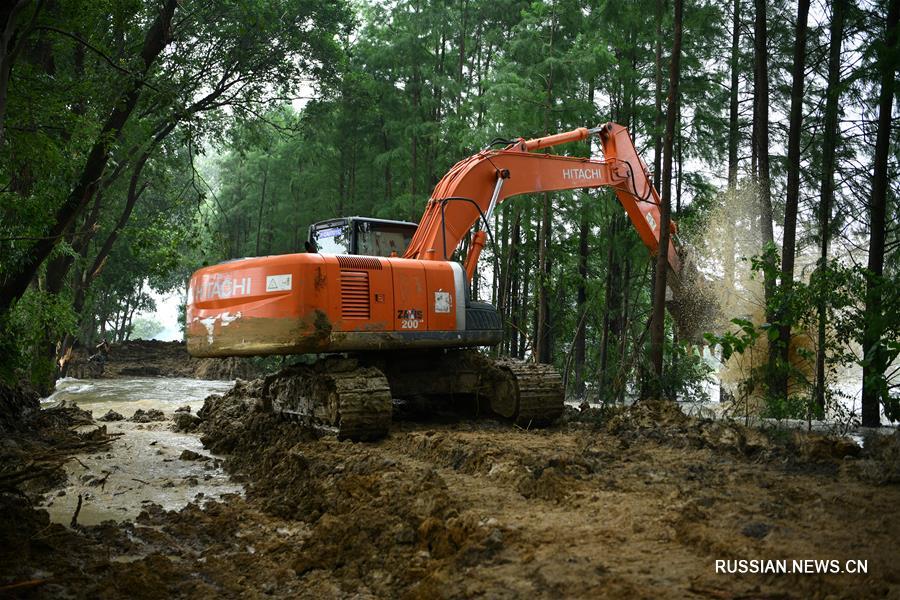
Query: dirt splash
x,y
721,285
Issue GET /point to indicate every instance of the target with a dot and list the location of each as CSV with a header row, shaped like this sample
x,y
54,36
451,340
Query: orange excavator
x,y
402,327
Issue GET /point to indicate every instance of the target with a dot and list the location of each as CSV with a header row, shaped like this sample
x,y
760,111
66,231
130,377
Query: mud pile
x,y
31,461
233,367
18,404
417,513
32,455
636,503
199,552
225,417
372,522
883,459
664,422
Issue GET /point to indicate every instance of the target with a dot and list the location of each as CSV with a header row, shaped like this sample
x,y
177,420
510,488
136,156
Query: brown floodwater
x,y
143,464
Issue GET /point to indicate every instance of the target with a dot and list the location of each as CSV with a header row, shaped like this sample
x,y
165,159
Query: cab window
x,y
333,239
381,239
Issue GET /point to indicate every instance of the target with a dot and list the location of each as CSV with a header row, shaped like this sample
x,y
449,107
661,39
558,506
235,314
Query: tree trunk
x,y
542,350
542,336
528,265
658,319
657,134
508,268
733,144
462,50
621,325
133,194
8,15
733,131
581,300
262,202
501,229
792,200
829,144
513,313
875,360
612,300
761,137
388,184
679,164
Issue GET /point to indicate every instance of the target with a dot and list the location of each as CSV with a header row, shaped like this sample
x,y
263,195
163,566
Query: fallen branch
x,y
23,585
74,522
30,471
102,482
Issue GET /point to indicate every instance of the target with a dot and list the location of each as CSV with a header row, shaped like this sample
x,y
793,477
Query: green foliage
x,y
687,374
736,342
423,86
37,317
146,328
70,67
401,90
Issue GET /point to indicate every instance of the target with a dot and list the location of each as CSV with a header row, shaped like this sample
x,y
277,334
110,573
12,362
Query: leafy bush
x,y
37,317
687,375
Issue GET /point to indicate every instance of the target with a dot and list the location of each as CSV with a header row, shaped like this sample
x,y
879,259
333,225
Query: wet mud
x,y
608,504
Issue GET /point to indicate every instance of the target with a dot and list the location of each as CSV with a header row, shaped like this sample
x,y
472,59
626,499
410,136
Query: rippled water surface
x,y
143,465
127,395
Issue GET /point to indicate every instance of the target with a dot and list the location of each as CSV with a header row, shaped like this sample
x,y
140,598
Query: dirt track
x,y
613,509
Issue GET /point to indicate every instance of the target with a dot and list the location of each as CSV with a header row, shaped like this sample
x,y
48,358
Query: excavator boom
x,y
476,185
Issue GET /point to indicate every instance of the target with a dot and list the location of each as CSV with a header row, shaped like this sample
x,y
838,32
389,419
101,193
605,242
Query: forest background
x,y
143,139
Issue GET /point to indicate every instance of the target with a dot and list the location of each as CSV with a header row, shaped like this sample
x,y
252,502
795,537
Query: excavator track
x,y
539,391
352,397
335,394
523,392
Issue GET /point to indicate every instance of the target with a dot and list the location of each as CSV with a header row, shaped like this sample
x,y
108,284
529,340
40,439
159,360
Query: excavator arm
x,y
474,187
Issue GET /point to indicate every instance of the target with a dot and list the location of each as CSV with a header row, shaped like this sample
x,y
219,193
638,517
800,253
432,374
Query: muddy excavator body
x,y
402,322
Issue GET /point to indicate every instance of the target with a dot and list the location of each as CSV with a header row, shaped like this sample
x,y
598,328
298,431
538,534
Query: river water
x,y
142,466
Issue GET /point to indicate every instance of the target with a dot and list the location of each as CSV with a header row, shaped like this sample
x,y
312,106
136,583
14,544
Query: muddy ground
x,y
632,504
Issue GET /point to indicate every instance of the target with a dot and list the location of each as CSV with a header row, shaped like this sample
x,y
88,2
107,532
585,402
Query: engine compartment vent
x,y
355,295
359,263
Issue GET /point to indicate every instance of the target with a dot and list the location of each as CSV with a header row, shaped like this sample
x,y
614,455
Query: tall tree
x,y
734,140
658,94
761,142
155,41
581,298
9,48
792,199
875,360
658,318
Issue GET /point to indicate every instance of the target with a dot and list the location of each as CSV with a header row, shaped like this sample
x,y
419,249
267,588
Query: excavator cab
x,y
360,236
